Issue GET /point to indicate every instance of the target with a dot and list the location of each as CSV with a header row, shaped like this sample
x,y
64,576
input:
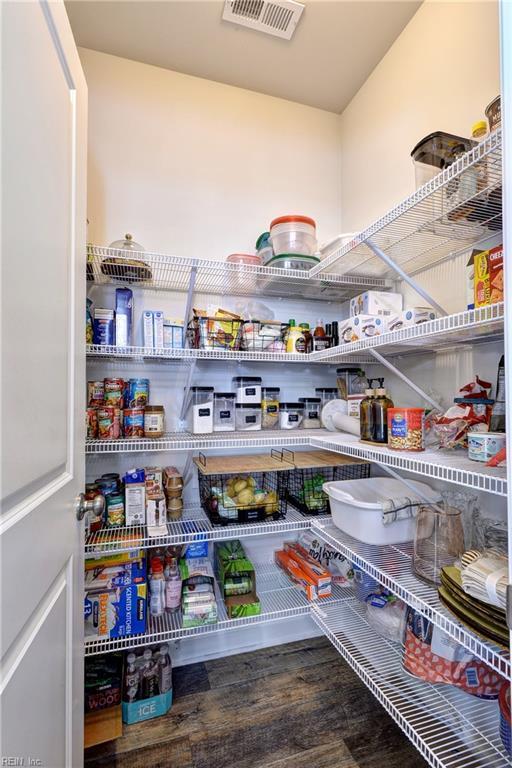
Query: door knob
x,y
96,505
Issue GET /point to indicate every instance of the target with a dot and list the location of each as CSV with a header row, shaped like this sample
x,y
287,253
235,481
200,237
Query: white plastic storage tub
x,y
357,507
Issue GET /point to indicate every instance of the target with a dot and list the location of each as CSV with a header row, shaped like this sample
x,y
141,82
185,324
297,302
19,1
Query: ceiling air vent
x,y
274,18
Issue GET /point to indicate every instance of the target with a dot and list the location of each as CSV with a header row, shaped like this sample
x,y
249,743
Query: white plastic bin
x,y
357,506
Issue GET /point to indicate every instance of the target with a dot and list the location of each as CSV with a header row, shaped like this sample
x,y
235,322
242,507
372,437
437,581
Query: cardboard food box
x,y
317,574
496,274
232,562
118,612
102,681
295,573
154,480
482,279
124,317
100,561
376,303
135,497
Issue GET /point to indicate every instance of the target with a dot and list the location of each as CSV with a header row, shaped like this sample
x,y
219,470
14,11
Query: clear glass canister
x,y
291,415
270,407
202,410
224,411
311,415
248,417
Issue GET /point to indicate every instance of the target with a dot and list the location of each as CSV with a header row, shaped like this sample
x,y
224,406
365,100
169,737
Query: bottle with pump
x,y
380,406
295,341
365,413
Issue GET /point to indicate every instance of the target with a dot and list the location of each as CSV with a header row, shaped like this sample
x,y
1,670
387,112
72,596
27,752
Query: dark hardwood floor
x,y
290,706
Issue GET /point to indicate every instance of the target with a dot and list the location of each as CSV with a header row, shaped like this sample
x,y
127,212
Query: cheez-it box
x,y
496,274
482,279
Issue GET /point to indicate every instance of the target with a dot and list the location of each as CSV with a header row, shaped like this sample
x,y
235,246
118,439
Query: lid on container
x,y
478,127
201,389
305,326
291,406
440,149
267,390
110,476
330,390
305,258
310,399
375,492
473,400
249,405
127,244
149,408
223,395
348,369
263,241
292,219
244,258
487,434
250,379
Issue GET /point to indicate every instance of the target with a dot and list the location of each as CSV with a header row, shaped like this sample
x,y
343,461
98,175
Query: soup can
x,y
106,416
91,423
137,393
134,422
95,393
114,392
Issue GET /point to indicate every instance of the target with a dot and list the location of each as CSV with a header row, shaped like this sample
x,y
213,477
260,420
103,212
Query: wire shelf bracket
x,y
382,360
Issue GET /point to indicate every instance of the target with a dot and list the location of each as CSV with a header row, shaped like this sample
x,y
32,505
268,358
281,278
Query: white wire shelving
x,y
450,466
475,325
146,354
392,567
279,600
159,271
458,208
449,727
194,526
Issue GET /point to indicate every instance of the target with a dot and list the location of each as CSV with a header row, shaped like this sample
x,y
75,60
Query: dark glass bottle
x,y
380,406
365,413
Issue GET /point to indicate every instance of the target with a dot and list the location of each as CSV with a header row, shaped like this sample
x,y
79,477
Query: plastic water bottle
x,y
172,586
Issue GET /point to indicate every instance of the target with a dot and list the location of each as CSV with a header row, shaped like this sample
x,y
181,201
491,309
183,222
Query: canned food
x,y
114,510
95,393
117,422
106,416
107,485
237,585
134,422
154,421
94,522
137,393
114,392
406,429
91,423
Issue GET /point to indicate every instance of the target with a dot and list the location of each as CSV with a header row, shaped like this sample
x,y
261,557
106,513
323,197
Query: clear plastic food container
x,y
327,393
270,407
291,415
248,389
293,234
201,406
311,414
436,152
248,417
224,411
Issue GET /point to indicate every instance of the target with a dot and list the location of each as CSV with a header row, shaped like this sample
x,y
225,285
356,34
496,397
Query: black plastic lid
x,y
440,149
270,389
348,369
326,389
310,399
219,395
291,406
201,389
473,400
248,405
253,379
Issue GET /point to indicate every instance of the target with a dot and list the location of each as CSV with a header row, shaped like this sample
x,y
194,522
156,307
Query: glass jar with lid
x,y
291,415
311,415
248,416
224,411
201,405
270,407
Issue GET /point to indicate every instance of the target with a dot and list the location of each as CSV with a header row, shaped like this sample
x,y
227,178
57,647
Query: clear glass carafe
x,y
439,540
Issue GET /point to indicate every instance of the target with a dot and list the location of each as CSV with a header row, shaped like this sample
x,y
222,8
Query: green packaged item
x,y
237,585
236,572
114,510
243,610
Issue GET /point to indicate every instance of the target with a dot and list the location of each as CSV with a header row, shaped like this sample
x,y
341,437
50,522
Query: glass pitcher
x,y
439,540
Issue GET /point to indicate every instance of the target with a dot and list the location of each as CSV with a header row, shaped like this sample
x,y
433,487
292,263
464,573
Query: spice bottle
x,y
380,406
365,413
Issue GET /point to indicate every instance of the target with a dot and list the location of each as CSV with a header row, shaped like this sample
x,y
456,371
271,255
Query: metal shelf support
x,y
382,360
409,280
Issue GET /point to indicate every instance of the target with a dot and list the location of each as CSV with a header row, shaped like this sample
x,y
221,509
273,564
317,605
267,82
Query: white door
x,y
44,122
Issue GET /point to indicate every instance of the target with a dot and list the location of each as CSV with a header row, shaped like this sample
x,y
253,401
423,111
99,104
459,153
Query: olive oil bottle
x,y
380,405
365,413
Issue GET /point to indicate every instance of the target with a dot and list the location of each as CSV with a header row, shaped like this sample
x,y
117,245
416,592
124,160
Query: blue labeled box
x,y
146,709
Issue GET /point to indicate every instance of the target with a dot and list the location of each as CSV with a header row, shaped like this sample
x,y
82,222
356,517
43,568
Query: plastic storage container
x,y
248,389
224,411
312,407
326,394
244,258
293,261
357,508
270,407
264,248
293,234
291,415
436,152
201,406
248,416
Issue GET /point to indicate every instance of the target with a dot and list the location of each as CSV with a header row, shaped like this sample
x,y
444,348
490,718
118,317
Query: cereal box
x,y
482,279
496,274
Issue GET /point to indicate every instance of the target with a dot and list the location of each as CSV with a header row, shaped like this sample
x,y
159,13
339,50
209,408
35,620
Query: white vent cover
x,y
274,17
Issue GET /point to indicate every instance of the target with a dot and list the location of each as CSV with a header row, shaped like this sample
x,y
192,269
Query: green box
x,y
231,561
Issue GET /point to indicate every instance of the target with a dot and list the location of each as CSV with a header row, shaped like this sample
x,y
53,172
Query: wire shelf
x,y
450,728
161,271
195,526
458,208
451,466
392,567
279,600
146,354
475,325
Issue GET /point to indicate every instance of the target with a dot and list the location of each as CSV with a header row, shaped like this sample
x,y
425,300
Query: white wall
x,y
197,168
440,74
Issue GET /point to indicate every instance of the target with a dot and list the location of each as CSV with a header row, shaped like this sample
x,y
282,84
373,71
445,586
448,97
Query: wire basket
x,y
259,336
243,498
214,333
304,486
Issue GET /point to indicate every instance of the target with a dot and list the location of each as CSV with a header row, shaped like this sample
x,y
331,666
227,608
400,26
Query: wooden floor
x,y
291,706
